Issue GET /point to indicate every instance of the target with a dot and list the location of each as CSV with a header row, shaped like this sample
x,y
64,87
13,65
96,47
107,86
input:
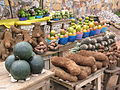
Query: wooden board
x,y
6,84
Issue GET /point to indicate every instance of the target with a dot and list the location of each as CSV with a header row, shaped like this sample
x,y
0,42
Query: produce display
x,y
23,62
53,46
66,63
82,60
32,13
64,14
40,48
64,75
95,44
82,64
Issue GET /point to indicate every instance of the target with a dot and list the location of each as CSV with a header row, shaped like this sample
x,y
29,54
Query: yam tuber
x,y
94,68
82,60
64,75
86,69
7,39
3,51
99,65
97,55
15,30
66,63
82,75
26,36
37,32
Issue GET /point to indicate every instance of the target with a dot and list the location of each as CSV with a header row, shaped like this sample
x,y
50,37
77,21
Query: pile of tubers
x,y
40,48
74,67
53,46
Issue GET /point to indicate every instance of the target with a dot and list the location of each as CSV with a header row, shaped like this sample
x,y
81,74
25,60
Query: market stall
x,y
75,48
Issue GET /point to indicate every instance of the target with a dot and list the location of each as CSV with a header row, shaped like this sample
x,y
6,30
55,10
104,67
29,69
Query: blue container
x,y
79,36
104,29
71,38
38,16
86,34
63,41
46,15
23,18
98,31
92,32
56,19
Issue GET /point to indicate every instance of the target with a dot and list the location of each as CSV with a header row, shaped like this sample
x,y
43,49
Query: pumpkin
x,y
36,64
9,61
23,50
20,70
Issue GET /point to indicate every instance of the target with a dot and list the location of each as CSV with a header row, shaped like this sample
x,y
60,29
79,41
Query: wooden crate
x,y
41,82
78,85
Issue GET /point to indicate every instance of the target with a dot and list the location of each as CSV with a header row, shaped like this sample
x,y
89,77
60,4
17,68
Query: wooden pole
x,y
10,8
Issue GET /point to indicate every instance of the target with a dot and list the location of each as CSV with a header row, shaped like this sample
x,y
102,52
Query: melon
x,y
23,50
86,41
9,61
20,70
36,64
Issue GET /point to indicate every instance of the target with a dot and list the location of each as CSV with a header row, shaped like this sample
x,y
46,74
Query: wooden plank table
x,y
40,82
78,85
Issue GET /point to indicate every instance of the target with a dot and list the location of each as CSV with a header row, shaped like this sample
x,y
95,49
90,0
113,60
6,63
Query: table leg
x,y
106,80
98,83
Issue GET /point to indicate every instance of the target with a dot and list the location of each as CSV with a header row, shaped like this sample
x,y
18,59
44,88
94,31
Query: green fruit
x,y
93,41
20,70
23,50
90,46
87,18
106,37
36,64
84,47
9,61
99,39
112,36
86,41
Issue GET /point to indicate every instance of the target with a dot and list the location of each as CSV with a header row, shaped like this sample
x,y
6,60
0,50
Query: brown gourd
x,y
97,55
7,39
64,75
66,63
82,60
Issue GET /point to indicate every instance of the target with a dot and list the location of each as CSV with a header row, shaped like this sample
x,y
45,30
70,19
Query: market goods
x,y
82,75
26,36
23,50
7,39
37,32
99,65
15,30
36,64
97,55
9,61
86,69
40,48
82,60
68,64
94,68
20,70
53,46
64,75
3,51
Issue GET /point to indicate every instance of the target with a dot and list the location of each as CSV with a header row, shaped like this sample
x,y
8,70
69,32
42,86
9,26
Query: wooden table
x,y
108,75
78,85
40,82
